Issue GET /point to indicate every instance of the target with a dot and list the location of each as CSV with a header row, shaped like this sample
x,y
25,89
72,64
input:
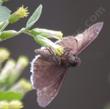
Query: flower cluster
x,y
12,89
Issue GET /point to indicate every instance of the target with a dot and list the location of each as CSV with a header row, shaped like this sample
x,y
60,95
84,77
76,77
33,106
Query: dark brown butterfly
x,y
48,71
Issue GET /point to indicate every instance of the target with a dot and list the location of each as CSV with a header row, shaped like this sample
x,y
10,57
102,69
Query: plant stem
x,y
5,25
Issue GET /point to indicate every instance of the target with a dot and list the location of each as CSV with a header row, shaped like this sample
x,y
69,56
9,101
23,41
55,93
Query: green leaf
x,y
35,16
4,13
10,95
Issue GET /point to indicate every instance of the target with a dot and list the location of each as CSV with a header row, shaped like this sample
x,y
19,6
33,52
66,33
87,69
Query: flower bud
x,y
58,50
48,33
22,62
22,86
15,104
17,15
7,34
4,54
6,71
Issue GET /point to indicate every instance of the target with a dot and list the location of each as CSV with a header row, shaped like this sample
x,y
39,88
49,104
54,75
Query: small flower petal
x,y
17,15
22,12
59,50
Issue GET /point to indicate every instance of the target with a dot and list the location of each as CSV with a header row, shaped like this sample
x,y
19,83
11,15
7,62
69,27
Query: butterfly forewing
x,y
79,42
88,36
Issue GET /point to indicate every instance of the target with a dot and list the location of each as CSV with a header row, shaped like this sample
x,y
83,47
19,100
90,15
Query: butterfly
x,y
48,71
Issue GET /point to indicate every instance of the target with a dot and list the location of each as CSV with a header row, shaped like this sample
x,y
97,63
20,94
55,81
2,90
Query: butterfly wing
x,y
78,43
88,36
47,78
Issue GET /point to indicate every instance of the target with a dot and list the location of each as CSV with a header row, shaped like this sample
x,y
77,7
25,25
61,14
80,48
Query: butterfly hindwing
x,y
46,78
